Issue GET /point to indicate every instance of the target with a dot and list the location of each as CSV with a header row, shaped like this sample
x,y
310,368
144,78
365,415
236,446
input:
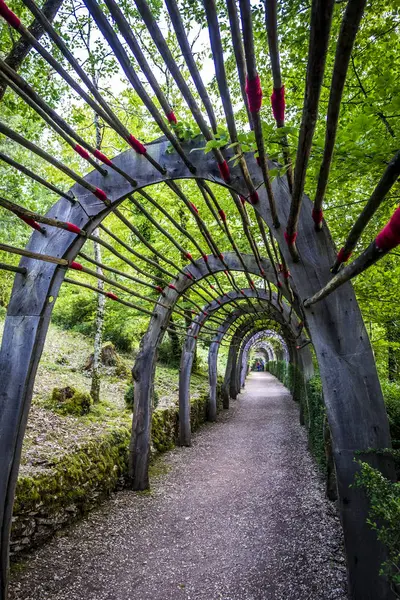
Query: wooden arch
x,y
189,348
258,311
352,393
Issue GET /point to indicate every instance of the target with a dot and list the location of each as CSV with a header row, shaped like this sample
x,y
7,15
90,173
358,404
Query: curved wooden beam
x,y
215,345
352,393
189,348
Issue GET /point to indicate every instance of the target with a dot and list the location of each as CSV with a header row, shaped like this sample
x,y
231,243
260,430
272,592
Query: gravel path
x,y
241,515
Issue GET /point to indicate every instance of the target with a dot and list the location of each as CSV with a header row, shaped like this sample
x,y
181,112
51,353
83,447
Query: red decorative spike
x,y
278,104
159,289
279,284
189,256
31,222
389,237
254,94
262,272
222,215
205,257
100,156
111,295
317,216
243,200
82,152
136,145
286,274
254,197
196,210
100,195
219,302
170,285
75,265
343,256
224,170
221,257
73,228
9,16
171,117
290,239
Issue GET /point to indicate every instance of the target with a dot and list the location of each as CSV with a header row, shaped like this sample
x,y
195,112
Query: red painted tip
x,y
9,16
111,295
317,216
243,200
221,257
279,284
219,302
212,287
254,94
389,237
343,256
205,313
75,265
205,257
242,292
31,222
222,215
73,228
100,195
195,337
159,289
226,272
262,272
136,145
82,152
278,104
171,117
254,197
290,239
194,207
286,274
102,157
172,287
224,170
189,256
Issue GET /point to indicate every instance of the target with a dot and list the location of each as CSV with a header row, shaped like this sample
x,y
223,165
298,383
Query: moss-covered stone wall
x,y
53,498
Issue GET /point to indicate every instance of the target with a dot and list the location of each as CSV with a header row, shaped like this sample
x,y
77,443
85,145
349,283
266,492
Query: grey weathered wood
x,y
190,346
269,313
352,394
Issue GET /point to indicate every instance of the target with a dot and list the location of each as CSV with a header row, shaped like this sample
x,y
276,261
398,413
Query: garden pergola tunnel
x,y
332,321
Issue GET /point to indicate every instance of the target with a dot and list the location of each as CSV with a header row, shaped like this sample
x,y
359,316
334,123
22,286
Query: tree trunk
x,y
101,300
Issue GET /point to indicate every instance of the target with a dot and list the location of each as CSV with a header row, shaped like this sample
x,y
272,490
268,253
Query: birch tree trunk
x,y
101,300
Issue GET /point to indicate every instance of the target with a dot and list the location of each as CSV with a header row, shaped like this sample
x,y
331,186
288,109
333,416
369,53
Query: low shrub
x,y
391,394
384,518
